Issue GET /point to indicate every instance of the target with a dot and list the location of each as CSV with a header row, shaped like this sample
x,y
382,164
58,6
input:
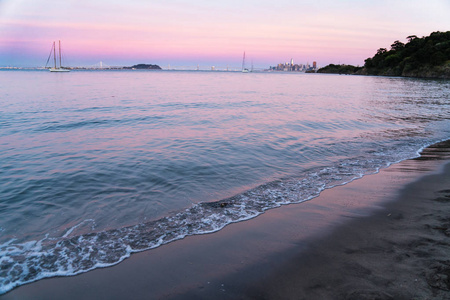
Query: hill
x,y
339,69
144,67
420,57
426,57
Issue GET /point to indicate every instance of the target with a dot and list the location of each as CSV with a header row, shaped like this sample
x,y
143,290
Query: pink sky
x,y
187,33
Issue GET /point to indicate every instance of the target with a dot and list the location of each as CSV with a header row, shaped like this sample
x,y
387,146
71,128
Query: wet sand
x,y
385,236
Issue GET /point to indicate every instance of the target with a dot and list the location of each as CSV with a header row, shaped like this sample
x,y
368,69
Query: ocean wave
x,y
96,123
71,254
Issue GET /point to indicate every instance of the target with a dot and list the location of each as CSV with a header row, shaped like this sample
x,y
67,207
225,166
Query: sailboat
x,y
244,69
56,68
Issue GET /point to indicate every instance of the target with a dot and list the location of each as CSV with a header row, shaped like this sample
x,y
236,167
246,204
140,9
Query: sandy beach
x,y
385,236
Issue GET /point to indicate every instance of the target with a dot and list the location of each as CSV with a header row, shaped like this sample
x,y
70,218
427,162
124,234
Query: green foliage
x,y
397,46
392,60
413,58
381,51
411,38
437,58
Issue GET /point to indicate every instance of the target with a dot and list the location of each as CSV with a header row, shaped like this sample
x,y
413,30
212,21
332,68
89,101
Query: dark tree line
x,y
420,57
417,53
339,69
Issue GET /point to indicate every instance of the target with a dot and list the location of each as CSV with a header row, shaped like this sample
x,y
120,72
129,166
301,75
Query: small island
x,y
143,67
426,57
339,69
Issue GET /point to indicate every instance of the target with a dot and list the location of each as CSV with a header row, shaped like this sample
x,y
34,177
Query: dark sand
x,y
385,236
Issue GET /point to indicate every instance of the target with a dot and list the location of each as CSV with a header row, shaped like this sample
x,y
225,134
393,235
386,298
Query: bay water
x,y
96,165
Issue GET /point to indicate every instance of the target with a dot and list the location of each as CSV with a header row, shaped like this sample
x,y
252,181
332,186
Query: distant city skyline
x,y
211,33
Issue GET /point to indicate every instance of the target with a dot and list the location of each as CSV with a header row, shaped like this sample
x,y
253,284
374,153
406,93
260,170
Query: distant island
x,y
339,69
426,57
143,67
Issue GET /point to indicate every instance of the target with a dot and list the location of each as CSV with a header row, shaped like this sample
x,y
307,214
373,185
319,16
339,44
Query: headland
x,y
426,57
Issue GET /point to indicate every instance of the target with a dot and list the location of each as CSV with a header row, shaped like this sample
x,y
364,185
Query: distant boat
x,y
56,68
244,69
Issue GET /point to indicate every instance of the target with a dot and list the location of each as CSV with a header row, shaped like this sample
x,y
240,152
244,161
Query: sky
x,y
187,33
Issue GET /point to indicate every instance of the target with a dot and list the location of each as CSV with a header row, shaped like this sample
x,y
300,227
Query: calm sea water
x,y
96,165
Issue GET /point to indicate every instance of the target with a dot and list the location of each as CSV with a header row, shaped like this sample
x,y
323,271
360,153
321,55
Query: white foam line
x,y
76,226
244,215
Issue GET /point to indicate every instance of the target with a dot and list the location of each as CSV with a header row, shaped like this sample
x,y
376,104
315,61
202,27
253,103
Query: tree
x,y
437,58
381,51
393,60
411,38
397,45
368,63
415,58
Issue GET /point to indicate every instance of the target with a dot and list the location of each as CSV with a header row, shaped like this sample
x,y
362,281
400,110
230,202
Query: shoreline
x,y
400,251
329,247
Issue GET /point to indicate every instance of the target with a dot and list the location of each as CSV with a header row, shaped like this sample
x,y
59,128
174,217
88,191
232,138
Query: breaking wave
x,y
73,254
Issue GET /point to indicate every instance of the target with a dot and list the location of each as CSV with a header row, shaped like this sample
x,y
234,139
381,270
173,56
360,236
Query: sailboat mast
x,y
243,62
56,68
54,53
60,54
